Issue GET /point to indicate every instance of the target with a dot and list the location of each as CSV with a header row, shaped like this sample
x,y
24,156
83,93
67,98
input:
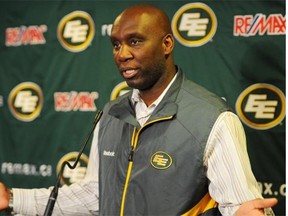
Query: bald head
x,y
153,17
142,43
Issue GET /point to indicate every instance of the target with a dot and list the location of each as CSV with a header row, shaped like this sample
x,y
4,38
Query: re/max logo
x,y
248,25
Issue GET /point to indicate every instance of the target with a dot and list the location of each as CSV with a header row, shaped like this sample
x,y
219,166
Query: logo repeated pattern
x,y
261,106
26,101
194,24
76,175
76,31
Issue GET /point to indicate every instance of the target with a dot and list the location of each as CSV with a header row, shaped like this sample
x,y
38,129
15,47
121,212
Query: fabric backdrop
x,y
56,70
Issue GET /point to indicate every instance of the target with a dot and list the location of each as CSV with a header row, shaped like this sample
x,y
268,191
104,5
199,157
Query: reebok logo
x,y
108,153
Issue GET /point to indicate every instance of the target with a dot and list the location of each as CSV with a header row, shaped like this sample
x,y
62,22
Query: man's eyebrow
x,y
136,34
112,38
128,36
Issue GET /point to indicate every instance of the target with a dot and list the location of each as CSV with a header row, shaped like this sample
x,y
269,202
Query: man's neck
x,y
149,96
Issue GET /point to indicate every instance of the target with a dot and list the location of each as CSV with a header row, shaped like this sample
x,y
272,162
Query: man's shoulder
x,y
116,106
200,93
119,100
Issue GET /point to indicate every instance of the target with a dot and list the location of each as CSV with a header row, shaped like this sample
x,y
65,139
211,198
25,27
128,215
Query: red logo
x,y
74,101
31,35
248,25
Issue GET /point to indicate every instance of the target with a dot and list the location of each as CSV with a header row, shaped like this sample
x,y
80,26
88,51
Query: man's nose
x,y
124,53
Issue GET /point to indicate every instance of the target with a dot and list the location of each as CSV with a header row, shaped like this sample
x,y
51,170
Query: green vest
x,y
157,169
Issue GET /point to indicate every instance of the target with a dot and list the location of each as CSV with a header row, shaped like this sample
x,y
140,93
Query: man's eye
x,y
135,42
116,46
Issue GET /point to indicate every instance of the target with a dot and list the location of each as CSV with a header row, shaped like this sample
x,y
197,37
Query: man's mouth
x,y
129,73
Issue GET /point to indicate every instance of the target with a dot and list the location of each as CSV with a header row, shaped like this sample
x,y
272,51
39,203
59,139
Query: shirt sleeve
x,y
228,167
77,199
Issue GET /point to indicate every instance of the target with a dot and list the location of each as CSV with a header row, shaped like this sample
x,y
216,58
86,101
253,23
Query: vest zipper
x,y
134,142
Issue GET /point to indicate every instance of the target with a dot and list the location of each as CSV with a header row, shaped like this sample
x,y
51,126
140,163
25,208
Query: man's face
x,y
138,51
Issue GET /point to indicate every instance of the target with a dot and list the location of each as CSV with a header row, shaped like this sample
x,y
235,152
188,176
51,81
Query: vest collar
x,y
123,108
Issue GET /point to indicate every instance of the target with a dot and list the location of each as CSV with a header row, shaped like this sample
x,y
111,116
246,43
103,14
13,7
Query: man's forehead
x,y
132,25
126,33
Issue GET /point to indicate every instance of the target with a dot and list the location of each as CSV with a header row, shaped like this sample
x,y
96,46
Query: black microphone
x,y
54,193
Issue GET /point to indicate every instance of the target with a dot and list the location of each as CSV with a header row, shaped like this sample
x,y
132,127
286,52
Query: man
x,y
169,147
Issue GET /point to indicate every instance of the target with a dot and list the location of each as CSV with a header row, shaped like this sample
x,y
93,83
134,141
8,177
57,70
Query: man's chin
x,y
136,85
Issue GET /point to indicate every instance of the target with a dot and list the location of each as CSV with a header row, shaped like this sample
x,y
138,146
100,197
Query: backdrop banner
x,y
57,70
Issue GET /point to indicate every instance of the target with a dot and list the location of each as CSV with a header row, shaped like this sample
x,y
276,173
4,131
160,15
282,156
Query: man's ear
x,y
168,44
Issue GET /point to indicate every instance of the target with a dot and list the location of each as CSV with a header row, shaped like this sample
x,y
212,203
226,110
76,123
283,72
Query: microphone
x,y
54,193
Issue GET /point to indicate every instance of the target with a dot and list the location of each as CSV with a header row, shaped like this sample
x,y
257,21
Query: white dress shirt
x,y
228,170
